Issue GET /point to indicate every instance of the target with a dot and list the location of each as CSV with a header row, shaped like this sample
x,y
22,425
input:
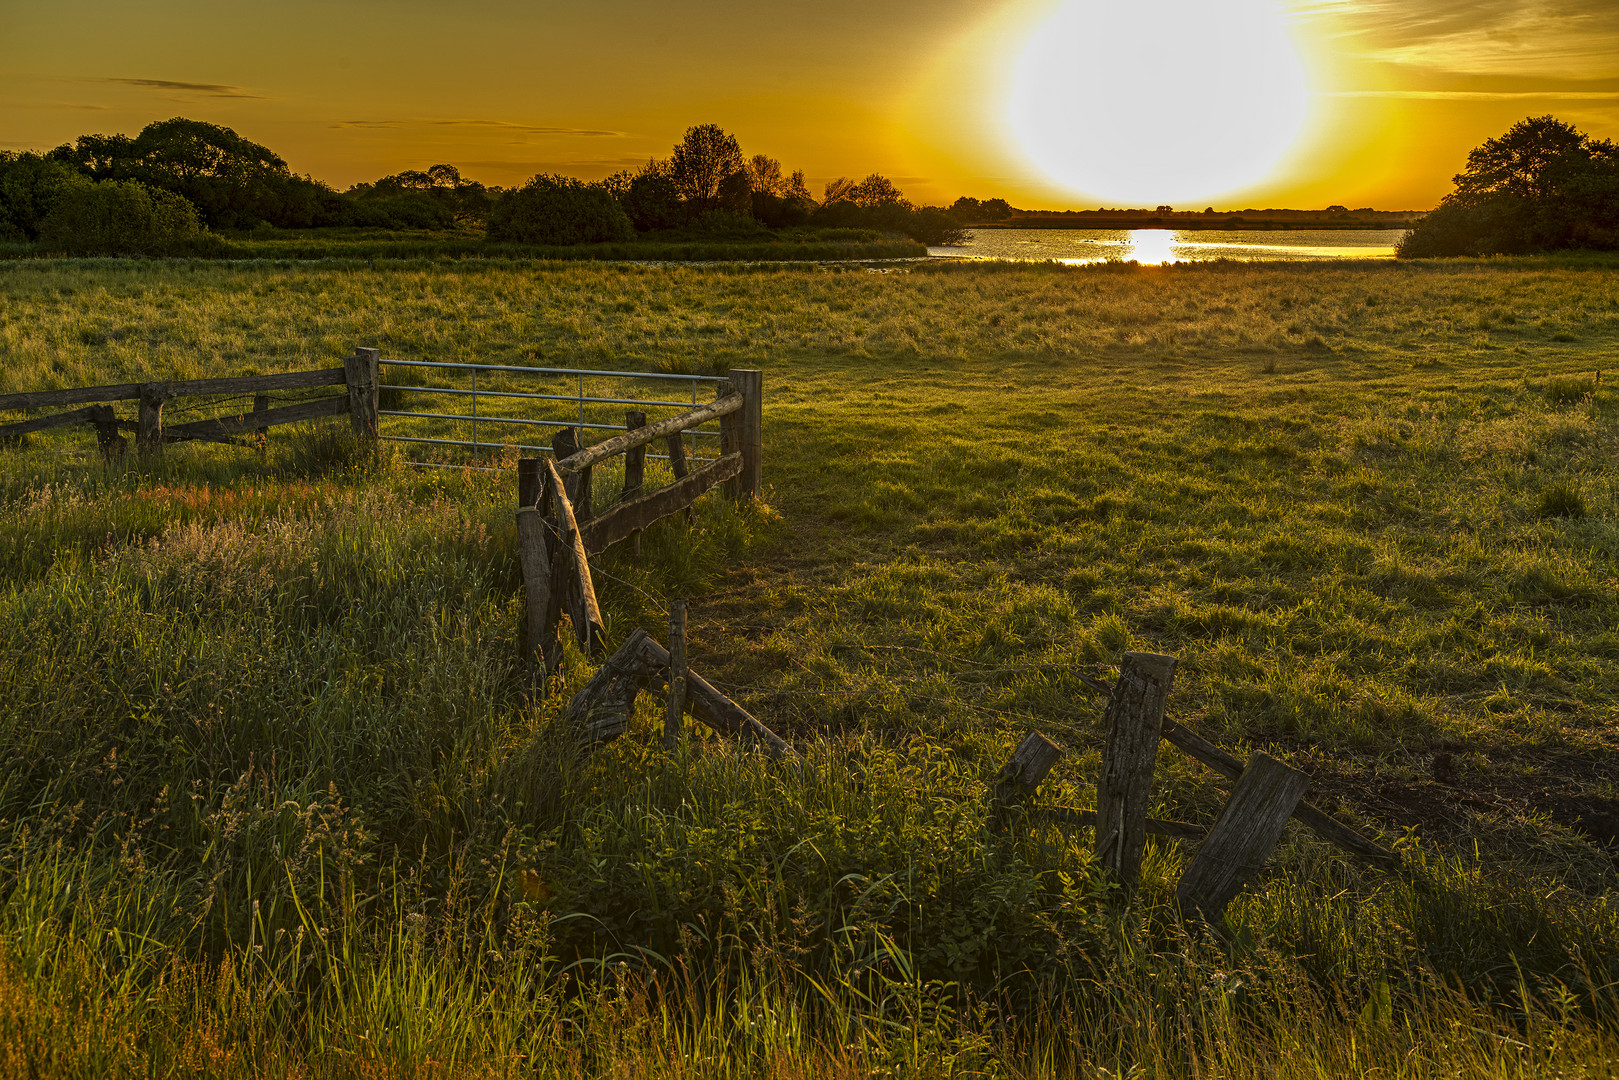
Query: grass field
x,y
274,799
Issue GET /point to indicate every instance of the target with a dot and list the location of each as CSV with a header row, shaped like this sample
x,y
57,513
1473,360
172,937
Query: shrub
x,y
119,217
29,187
651,201
1560,501
931,225
559,210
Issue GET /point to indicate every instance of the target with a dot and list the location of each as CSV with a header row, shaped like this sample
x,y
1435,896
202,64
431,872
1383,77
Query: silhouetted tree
x,y
1540,186
701,164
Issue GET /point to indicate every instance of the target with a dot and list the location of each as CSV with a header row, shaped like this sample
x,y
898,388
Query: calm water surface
x,y
1154,246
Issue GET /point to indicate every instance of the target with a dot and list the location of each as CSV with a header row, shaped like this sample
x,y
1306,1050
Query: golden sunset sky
x,y
1393,92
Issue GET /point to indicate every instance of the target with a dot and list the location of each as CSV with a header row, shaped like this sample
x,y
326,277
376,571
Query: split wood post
x,y
1135,716
676,444
677,674
634,466
600,711
587,618
749,428
1327,827
565,444
363,376
261,404
1241,840
534,557
149,433
112,444
1022,773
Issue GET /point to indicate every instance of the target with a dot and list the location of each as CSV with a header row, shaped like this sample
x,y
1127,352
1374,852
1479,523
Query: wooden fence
x,y
359,375
558,527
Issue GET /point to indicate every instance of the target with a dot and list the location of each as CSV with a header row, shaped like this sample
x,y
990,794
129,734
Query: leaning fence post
x,y
362,374
149,435
1135,717
677,674
749,432
1241,840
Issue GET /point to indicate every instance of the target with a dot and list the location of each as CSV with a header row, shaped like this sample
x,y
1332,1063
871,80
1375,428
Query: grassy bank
x,y
310,244
274,799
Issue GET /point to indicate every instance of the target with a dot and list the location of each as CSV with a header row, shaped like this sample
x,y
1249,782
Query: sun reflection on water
x,y
1151,247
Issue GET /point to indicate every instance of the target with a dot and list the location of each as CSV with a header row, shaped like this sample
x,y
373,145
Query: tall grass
x,y
276,797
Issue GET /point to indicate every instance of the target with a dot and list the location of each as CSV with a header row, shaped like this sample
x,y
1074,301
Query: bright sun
x,y
1144,102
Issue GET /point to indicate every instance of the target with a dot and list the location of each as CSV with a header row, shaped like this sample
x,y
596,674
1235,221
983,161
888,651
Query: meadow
x,y
276,798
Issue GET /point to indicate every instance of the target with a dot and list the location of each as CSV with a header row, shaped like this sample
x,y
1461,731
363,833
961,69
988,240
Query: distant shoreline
x,y
1198,223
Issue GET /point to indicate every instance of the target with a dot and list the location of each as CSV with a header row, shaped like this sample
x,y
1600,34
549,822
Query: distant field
x,y
272,796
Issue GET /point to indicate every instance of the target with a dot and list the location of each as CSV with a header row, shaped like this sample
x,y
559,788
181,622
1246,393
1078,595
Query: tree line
x,y
180,182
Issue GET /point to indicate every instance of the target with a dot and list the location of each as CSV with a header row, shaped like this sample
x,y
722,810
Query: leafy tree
x,y
118,217
437,198
703,162
837,191
764,175
29,186
1542,185
558,210
876,191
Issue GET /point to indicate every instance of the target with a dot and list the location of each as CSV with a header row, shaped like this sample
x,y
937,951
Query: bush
x,y
29,187
651,202
559,210
936,227
119,217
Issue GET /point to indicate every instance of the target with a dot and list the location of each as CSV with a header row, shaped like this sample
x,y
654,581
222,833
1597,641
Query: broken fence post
x,y
1241,840
600,711
1135,715
677,674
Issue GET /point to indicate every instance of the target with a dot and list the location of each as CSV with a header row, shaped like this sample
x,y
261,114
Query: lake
x,y
1156,246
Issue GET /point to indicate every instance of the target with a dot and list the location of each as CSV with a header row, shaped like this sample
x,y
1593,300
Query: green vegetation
x,y
274,799
705,193
1541,186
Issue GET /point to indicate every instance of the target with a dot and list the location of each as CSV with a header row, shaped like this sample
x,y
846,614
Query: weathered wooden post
x,y
634,468
149,433
676,444
363,376
1237,846
534,557
677,674
112,444
1021,774
577,484
571,554
747,426
1135,716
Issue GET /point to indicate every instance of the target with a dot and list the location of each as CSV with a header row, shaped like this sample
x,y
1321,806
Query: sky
x,y
1393,93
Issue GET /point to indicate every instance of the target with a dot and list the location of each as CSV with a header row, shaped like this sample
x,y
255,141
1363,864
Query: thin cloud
x,y
1482,95
220,90
499,125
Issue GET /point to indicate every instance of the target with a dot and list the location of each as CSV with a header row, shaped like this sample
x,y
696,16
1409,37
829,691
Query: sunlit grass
x,y
275,798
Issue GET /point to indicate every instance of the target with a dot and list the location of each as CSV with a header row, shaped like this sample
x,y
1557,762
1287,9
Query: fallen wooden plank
x,y
1175,830
636,514
1135,717
600,711
716,710
1325,826
236,425
1241,840
587,616
590,455
85,415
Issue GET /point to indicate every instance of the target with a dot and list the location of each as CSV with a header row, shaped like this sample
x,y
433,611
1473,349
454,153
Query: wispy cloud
x,y
1563,37
1483,95
220,90
499,125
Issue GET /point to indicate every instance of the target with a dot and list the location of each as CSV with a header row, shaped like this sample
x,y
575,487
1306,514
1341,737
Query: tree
x,y
875,191
118,217
764,175
702,163
29,187
558,210
1542,185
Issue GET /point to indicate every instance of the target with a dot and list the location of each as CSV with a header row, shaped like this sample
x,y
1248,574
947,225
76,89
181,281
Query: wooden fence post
x,y
749,428
534,558
112,444
149,436
677,674
634,467
362,374
1241,840
565,444
261,404
1135,716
